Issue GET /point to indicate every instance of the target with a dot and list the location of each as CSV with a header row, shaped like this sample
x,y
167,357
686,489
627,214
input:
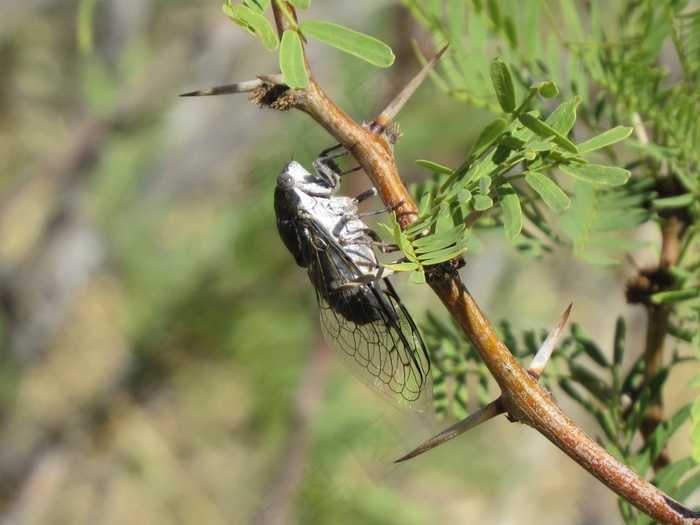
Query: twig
x,y
658,316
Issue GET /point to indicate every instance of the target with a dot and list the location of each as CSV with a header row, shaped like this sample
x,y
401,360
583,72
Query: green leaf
x,y
619,343
599,259
552,195
589,380
363,46
482,202
512,212
443,238
301,4
618,354
441,256
548,89
679,201
605,139
432,166
675,296
563,117
431,254
464,196
487,137
402,266
260,25
540,145
597,174
292,61
695,430
620,220
616,243
484,185
228,11
417,277
545,131
401,241
510,31
426,201
503,84
588,346
607,423
668,478
659,438
687,487
568,386
259,6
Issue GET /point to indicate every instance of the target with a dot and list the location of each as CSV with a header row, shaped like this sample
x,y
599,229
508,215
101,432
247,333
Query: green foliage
x,y
619,401
360,45
594,216
581,179
523,147
692,337
292,66
623,71
250,16
456,365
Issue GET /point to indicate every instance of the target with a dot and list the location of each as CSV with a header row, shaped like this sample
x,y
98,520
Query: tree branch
x,y
523,398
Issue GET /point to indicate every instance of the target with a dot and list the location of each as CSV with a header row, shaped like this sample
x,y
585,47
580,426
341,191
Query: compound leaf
x,y
358,44
292,61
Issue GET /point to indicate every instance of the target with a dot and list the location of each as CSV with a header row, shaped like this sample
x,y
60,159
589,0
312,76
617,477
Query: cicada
x,y
362,317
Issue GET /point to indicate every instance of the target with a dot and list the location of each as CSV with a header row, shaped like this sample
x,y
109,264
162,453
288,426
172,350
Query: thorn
x,y
238,87
493,409
276,79
544,353
383,120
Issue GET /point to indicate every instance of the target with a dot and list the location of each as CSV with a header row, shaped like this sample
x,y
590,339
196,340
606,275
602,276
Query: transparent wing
x,y
369,327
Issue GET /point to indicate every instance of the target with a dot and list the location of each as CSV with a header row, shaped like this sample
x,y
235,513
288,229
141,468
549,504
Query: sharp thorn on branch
x,y
544,353
238,87
276,79
386,116
493,409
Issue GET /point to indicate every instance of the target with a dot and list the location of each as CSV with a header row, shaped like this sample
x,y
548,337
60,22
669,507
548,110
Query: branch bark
x,y
658,316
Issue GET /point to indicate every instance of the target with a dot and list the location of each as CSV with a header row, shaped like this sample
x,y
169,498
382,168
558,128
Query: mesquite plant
x,y
595,132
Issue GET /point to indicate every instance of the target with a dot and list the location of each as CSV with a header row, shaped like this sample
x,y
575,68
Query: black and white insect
x,y
362,317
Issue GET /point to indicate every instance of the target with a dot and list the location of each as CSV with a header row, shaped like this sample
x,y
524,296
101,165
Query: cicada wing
x,y
386,354
371,330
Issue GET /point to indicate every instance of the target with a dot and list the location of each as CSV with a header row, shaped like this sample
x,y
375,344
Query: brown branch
x,y
657,327
523,398
658,316
640,289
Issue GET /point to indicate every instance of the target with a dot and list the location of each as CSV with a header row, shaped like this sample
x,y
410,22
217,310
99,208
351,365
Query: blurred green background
x,y
161,359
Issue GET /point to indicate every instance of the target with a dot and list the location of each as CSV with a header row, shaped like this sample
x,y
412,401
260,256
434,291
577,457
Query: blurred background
x,y
161,359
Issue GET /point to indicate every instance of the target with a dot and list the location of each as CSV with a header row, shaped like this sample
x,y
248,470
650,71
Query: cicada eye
x,y
285,181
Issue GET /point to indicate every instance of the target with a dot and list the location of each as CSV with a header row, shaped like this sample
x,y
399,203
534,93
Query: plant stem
x,y
657,328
